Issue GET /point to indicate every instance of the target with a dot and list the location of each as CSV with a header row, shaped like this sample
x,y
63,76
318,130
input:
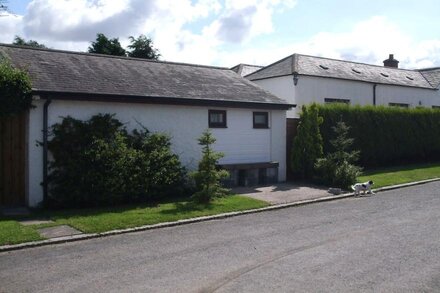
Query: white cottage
x,y
301,79
179,99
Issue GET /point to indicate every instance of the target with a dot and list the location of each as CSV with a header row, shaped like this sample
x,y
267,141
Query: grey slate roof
x,y
245,69
71,72
340,69
432,75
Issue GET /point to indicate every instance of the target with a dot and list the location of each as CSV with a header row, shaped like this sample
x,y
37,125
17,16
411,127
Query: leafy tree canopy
x,y
104,45
15,90
142,47
31,43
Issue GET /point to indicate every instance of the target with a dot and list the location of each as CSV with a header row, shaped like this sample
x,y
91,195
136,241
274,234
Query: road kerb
x,y
72,238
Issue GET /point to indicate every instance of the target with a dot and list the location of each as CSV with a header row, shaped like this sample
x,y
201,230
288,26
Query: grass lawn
x,y
403,174
106,219
11,232
101,220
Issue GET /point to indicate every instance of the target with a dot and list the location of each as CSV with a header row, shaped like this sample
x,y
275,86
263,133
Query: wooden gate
x,y
12,160
291,130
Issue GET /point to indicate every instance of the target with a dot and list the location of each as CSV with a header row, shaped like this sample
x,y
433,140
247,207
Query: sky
x,y
228,32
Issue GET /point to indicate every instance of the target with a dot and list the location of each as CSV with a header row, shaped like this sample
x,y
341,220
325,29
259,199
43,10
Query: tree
x,y
18,41
208,177
142,47
338,168
106,46
307,145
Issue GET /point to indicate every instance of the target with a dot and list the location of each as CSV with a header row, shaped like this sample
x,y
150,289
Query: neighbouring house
x,y
301,79
182,100
245,69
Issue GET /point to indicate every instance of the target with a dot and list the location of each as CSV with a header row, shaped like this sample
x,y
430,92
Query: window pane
x,y
217,118
260,119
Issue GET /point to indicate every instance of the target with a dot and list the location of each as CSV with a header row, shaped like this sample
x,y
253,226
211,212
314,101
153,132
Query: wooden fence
x,y
12,160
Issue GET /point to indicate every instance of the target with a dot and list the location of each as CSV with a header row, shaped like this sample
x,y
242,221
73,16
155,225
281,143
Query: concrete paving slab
x,y
58,231
281,193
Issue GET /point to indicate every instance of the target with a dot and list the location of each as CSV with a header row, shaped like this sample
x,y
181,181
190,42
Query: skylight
x,y
355,70
409,77
323,67
384,75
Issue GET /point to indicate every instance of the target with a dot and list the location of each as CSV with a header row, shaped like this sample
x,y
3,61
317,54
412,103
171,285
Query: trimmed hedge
x,y
386,135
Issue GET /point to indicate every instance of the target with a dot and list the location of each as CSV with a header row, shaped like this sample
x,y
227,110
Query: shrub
x,y
337,168
97,162
307,144
15,90
386,135
208,177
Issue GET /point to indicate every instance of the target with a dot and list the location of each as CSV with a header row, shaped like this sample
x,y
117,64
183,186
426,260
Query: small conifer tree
x,y
307,144
337,168
208,176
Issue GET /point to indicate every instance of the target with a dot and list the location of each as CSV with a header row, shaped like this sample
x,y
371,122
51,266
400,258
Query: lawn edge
x,y
72,238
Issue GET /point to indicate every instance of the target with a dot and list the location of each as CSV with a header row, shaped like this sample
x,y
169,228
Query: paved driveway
x,y
283,192
388,242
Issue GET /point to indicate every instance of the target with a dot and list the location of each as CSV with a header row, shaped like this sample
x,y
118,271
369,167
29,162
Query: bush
x,y
386,136
337,168
208,177
15,90
307,144
97,162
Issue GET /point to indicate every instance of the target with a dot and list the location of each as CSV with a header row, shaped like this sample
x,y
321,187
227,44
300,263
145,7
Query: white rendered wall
x,y
311,89
240,142
415,97
281,87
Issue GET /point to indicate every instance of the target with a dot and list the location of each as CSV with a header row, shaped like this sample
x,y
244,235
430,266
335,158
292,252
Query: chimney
x,y
391,62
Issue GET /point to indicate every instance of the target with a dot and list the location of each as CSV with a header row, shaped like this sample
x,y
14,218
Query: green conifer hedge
x,y
386,135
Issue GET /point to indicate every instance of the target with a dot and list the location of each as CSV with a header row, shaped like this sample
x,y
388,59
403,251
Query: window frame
x,y
260,125
399,105
217,124
337,101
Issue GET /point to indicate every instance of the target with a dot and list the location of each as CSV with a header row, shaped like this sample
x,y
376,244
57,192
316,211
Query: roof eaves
x,y
103,97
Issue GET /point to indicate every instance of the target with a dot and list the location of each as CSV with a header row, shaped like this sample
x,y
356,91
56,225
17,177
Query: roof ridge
x,y
111,56
428,69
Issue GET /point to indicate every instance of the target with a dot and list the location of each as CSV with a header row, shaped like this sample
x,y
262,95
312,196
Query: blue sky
x,y
227,32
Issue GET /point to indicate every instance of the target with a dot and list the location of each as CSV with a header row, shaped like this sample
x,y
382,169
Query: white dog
x,y
365,187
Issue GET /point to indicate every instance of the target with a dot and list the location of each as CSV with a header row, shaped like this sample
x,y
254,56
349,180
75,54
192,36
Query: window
x,y
217,118
261,120
402,105
344,101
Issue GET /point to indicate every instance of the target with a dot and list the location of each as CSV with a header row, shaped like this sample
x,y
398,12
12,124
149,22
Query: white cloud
x,y
224,35
10,26
370,41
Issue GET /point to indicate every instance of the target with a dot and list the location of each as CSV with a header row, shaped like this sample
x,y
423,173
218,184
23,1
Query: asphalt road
x,y
389,242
